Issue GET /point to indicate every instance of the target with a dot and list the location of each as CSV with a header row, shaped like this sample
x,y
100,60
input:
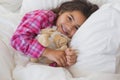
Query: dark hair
x,y
83,6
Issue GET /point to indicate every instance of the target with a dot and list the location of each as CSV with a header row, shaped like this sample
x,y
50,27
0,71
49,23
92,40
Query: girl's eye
x,y
70,18
76,27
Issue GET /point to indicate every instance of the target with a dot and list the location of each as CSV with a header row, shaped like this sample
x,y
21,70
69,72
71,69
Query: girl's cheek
x,y
72,33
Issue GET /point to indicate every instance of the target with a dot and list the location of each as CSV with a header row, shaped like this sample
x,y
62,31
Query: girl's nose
x,y
69,27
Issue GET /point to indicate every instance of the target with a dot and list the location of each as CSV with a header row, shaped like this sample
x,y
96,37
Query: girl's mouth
x,y
64,30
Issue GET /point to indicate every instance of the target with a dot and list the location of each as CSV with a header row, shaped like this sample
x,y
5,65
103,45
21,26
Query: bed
x,y
97,42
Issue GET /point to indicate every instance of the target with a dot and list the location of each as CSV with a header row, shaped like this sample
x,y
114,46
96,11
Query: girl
x,y
68,18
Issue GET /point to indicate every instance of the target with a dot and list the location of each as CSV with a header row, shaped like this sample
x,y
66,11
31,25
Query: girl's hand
x,y
70,56
57,56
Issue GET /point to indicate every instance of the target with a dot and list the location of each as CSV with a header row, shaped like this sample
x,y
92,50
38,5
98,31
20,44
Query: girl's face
x,y
68,22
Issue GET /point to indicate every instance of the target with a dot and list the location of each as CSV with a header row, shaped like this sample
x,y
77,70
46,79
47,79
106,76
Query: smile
x,y
64,30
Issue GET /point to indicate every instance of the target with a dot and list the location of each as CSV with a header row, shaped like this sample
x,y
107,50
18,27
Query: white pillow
x,y
98,2
98,42
29,5
6,62
7,24
40,72
12,5
101,2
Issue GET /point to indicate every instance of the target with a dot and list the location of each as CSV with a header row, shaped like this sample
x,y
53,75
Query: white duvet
x,y
18,67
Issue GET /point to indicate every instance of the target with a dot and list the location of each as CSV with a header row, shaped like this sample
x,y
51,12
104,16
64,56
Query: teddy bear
x,y
51,38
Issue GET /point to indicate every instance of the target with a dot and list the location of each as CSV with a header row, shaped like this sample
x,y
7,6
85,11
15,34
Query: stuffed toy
x,y
53,39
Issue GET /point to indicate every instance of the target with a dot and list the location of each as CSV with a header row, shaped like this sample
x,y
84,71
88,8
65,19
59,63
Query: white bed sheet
x,y
8,23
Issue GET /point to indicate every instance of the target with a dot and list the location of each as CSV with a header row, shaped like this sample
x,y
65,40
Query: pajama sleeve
x,y
24,38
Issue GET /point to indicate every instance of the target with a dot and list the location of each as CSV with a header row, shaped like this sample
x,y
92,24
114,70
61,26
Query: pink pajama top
x,y
24,37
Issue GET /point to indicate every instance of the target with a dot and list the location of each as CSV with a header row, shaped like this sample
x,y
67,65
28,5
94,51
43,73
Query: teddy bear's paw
x,y
35,60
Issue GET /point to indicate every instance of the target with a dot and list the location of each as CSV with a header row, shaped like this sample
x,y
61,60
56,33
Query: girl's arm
x,y
24,37
57,56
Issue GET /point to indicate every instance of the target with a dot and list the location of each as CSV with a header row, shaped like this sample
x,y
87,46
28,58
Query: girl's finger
x,y
59,64
71,58
63,63
70,64
71,54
